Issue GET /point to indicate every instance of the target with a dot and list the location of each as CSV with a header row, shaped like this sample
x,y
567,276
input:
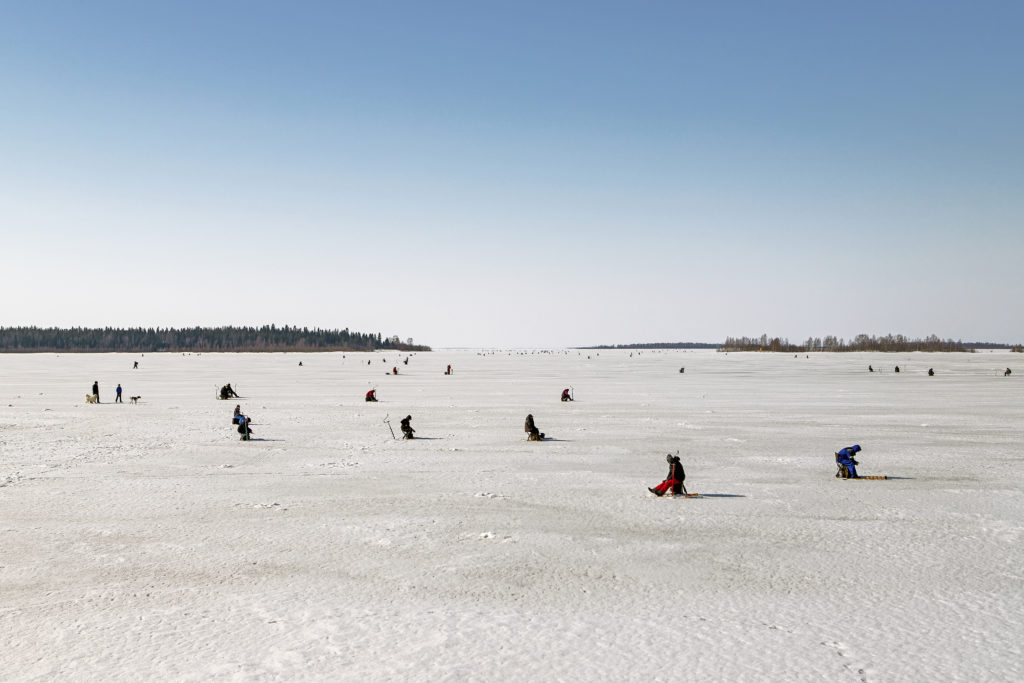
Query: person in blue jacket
x,y
847,465
243,427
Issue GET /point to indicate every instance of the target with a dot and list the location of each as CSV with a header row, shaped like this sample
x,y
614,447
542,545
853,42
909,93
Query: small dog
x,y
135,399
90,398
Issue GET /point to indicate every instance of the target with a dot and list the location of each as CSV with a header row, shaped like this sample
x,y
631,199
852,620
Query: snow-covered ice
x,y
146,542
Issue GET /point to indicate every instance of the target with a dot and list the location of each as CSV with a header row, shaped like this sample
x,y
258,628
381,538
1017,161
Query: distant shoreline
x,y
653,346
267,338
829,344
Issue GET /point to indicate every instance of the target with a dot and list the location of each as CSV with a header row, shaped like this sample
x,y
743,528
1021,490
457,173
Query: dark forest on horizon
x,y
862,342
890,343
194,339
655,345
272,338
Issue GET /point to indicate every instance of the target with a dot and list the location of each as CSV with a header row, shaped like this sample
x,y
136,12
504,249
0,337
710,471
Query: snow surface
x,y
146,542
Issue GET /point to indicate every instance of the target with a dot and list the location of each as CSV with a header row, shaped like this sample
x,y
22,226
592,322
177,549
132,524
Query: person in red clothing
x,y
371,396
675,477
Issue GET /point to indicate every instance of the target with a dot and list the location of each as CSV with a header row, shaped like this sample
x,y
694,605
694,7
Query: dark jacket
x,y
675,471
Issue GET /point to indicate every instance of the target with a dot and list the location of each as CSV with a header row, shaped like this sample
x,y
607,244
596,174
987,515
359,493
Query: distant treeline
x,y
862,342
662,345
140,339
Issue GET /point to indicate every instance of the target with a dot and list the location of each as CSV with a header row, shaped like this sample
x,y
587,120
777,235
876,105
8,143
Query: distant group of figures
x,y
94,397
243,422
845,461
674,481
931,371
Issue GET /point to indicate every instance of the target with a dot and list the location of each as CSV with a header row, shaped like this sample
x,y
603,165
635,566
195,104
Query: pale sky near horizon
x,y
516,173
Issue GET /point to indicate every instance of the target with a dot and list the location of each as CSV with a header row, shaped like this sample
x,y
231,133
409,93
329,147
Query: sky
x,y
515,174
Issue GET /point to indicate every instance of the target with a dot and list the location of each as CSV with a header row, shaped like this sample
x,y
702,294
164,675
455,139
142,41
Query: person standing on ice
x,y
675,478
847,465
96,390
117,399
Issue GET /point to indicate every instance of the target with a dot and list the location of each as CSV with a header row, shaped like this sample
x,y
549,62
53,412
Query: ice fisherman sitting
x,y
847,464
243,427
674,480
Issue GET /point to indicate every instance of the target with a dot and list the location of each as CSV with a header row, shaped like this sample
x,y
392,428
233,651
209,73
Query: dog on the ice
x,y
91,398
135,399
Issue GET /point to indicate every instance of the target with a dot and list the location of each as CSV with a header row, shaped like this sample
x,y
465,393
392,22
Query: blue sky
x,y
516,174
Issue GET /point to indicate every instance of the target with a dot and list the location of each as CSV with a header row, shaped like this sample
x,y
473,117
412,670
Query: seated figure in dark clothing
x,y
531,429
243,427
674,480
407,430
